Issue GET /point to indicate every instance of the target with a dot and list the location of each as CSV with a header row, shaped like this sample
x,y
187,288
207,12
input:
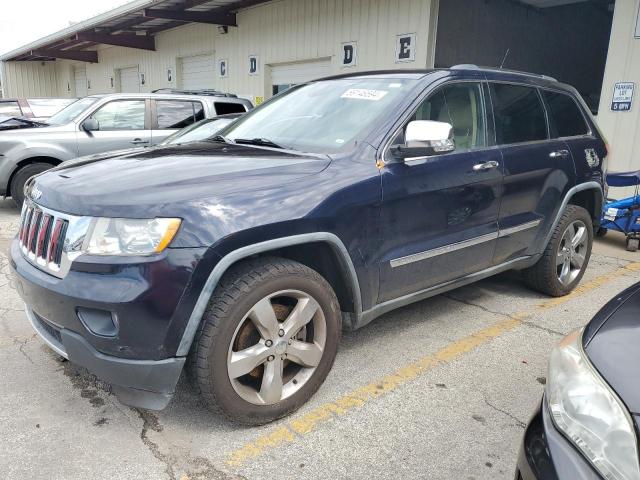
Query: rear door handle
x,y
481,167
559,154
139,141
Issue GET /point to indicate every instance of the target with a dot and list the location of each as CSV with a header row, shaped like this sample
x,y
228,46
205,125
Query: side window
x,y
222,108
121,115
518,113
461,105
178,114
565,115
10,109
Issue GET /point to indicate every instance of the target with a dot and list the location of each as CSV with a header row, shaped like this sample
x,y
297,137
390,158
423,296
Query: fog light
x,y
98,322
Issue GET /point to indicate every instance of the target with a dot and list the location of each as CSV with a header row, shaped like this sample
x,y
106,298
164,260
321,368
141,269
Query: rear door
x,y
439,213
537,170
173,115
123,124
569,123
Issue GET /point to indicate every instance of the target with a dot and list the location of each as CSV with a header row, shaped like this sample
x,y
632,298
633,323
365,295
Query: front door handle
x,y
139,141
481,167
559,154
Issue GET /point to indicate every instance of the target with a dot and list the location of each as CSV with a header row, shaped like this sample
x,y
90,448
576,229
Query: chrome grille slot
x,y
41,236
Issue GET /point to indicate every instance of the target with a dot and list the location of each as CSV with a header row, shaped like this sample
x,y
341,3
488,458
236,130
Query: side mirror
x,y
424,138
90,125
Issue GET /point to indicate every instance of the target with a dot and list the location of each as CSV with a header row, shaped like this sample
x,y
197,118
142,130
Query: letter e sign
x,y
406,47
349,54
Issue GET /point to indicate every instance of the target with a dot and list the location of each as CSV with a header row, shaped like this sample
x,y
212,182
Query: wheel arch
x,y
587,195
28,161
591,199
322,251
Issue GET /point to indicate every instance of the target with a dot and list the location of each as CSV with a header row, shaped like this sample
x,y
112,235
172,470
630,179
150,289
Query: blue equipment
x,y
623,215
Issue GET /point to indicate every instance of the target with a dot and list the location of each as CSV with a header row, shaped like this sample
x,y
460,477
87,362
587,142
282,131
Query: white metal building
x,y
256,48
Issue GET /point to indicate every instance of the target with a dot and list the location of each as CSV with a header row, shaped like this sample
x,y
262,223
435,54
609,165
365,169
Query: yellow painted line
x,y
308,422
588,286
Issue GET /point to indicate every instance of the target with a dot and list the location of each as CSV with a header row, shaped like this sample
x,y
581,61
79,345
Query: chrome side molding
x,y
452,247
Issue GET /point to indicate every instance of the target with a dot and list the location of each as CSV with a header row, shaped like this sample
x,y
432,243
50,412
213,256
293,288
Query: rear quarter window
x,y
223,108
565,115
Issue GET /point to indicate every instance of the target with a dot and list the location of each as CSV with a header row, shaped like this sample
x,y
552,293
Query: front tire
x,y
267,340
20,178
566,257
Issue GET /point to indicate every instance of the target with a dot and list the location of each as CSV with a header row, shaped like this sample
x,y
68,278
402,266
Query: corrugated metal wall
x,y
278,32
622,129
30,79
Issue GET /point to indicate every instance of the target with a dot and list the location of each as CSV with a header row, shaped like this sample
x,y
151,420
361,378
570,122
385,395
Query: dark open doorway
x,y
565,39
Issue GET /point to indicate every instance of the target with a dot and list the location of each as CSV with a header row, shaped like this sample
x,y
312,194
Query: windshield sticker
x,y
395,85
364,94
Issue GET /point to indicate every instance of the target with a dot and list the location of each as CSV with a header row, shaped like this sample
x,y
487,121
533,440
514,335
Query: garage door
x,y
80,81
129,82
197,72
286,75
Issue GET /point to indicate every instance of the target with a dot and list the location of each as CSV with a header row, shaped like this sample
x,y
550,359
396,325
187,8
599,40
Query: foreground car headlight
x,y
589,413
124,236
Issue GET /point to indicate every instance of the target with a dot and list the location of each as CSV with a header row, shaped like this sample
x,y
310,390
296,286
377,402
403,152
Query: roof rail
x,y
204,91
471,66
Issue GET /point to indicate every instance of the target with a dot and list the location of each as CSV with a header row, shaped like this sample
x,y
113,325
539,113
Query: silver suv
x,y
100,123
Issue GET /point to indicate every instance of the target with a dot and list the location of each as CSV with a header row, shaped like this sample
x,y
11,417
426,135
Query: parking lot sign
x,y
622,96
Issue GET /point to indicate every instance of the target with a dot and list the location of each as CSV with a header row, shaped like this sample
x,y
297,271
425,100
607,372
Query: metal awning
x,y
132,25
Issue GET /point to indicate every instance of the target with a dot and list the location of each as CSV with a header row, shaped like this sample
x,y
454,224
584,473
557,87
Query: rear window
x,y
222,108
10,109
519,114
178,114
566,118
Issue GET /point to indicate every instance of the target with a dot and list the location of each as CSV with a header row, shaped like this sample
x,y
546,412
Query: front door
x,y
123,124
439,213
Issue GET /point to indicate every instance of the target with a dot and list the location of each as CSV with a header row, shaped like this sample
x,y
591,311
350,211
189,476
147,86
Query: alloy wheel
x,y
276,347
572,251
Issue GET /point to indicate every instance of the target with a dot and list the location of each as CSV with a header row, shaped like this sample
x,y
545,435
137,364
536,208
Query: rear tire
x,y
566,256
20,178
267,340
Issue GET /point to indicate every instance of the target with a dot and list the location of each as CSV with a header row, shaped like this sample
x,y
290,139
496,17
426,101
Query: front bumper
x,y
545,454
138,383
139,361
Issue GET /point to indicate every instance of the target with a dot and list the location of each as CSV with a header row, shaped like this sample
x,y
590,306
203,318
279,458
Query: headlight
x,y
122,236
589,413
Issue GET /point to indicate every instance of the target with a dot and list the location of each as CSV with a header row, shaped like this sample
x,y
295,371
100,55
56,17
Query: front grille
x,y
42,236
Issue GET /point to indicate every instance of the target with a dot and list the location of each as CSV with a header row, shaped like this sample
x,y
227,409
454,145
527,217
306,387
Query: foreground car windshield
x,y
326,116
70,112
198,131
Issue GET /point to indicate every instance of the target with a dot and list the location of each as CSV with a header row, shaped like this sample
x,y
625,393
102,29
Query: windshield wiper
x,y
263,142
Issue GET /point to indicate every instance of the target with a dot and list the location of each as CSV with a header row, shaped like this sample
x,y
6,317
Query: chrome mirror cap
x,y
430,134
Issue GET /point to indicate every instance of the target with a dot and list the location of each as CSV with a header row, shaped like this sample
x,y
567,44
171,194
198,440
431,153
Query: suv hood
x,y
611,343
41,129
163,181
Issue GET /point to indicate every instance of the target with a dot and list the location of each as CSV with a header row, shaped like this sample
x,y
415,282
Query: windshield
x,y
46,107
70,112
327,116
198,131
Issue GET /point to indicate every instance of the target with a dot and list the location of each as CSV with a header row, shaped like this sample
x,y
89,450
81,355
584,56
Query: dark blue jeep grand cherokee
x,y
243,257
